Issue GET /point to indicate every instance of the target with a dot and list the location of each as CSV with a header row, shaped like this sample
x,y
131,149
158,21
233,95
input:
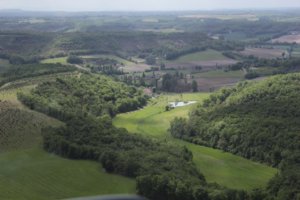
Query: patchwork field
x,y
28,172
263,52
224,168
288,39
209,59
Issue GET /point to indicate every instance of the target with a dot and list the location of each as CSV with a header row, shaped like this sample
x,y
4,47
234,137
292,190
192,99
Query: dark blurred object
x,y
111,197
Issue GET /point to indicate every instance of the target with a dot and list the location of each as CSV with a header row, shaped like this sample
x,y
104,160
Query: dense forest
x,y
90,94
258,121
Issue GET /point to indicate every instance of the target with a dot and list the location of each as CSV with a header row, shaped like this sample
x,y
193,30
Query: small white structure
x,y
181,103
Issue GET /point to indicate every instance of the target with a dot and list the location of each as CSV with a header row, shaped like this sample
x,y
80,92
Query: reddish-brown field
x,y
211,84
288,39
263,52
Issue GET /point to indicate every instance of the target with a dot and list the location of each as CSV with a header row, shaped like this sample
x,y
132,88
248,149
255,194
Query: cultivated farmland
x,y
267,53
293,38
212,80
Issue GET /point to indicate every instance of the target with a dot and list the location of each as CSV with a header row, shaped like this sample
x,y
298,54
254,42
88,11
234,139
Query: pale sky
x,y
143,5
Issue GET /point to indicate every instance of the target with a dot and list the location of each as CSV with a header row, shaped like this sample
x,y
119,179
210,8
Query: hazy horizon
x,y
147,5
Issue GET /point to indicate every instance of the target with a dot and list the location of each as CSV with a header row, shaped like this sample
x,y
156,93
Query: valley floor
x,y
217,166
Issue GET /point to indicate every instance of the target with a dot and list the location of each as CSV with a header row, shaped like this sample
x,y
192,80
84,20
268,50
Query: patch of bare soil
x,y
288,39
263,52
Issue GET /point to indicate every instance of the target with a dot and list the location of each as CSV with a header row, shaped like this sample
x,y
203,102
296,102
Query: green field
x,y
61,60
28,172
224,168
35,174
207,55
220,74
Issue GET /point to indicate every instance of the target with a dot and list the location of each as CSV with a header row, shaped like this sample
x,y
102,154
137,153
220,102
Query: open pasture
x,y
35,174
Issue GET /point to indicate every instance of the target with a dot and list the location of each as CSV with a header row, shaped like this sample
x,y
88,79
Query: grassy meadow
x,y
35,174
202,56
217,166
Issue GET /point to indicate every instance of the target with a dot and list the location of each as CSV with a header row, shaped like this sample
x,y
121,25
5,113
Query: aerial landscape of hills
x,y
167,105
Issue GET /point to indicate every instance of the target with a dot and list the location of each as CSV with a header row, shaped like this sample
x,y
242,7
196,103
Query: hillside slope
x,y
28,172
258,121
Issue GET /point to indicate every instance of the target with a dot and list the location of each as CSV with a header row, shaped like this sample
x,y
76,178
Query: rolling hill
x,y
257,120
28,172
